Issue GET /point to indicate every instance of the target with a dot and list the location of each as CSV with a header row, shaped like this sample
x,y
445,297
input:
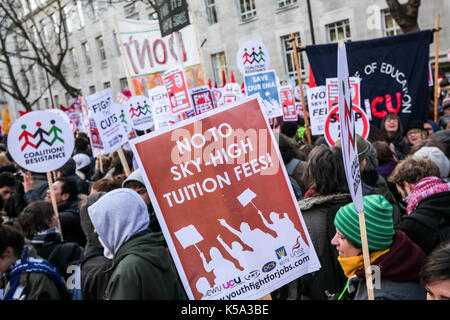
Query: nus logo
x,y
280,252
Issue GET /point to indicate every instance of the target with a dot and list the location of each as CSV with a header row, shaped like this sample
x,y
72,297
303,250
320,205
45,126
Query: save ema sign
x,y
41,141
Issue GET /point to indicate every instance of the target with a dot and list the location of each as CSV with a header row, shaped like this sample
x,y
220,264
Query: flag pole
x,y
300,84
436,69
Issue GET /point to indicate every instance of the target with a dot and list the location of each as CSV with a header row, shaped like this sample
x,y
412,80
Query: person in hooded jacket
x,y
142,268
394,257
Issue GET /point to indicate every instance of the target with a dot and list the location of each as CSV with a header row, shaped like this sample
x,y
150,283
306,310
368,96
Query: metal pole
x,y
311,27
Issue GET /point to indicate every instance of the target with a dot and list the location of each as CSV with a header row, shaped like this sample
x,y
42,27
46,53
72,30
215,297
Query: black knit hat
x,y
415,124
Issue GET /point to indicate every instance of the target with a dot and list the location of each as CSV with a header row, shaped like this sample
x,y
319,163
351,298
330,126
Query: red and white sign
x,y
202,99
244,235
288,103
332,92
177,89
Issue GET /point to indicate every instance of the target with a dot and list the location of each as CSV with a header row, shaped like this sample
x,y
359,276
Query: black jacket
x,y
422,225
69,217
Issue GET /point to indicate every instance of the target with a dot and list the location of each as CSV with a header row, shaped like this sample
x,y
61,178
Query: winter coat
x,y
95,273
69,217
318,214
396,273
143,270
435,209
402,148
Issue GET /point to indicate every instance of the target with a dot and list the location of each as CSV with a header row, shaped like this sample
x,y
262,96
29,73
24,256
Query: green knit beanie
x,y
379,223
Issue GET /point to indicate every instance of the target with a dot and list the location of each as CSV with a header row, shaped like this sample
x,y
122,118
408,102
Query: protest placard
x,y
318,109
332,92
139,113
172,15
177,89
202,99
288,103
252,57
111,132
162,113
266,85
242,239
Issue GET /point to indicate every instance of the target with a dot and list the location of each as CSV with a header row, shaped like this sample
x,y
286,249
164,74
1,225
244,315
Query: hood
x,y
402,262
147,245
86,224
117,216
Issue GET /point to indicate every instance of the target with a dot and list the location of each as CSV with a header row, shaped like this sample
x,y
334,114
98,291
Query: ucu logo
x,y
231,283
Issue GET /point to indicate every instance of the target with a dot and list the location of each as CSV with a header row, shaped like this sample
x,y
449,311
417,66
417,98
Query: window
x,y
124,84
106,85
55,25
46,103
91,89
211,11
86,55
67,19
289,62
93,8
72,60
81,22
389,25
247,9
101,49
219,64
56,101
338,31
285,3
43,30
116,43
67,96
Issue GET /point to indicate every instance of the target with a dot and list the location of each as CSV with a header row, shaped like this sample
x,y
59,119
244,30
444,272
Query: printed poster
x,y
318,109
162,114
177,90
288,103
266,85
242,238
202,99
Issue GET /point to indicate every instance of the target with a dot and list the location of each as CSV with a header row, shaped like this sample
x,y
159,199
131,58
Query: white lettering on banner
x,y
214,131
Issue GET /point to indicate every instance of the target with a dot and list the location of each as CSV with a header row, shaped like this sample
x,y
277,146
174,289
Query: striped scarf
x,y
46,235
423,189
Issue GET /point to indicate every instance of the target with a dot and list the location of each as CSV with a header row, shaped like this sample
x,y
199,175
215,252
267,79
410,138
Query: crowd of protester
x,y
89,252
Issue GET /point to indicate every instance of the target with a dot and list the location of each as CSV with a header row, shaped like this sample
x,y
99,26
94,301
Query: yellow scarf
x,y
352,264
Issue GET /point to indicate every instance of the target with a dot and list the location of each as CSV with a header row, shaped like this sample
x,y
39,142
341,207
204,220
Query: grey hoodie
x,y
117,216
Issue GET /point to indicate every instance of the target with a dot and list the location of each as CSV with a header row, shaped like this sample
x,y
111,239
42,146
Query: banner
x,y
147,53
225,204
101,109
348,134
266,85
41,141
393,72
172,15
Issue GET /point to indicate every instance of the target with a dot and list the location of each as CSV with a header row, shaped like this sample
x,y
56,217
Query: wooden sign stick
x,y
366,256
436,69
53,199
124,162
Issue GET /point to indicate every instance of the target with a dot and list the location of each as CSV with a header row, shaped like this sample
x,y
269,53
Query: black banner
x,y
173,15
393,72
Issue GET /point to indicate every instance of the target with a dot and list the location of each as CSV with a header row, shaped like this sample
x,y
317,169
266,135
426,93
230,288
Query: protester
x,y
435,273
444,121
23,275
415,132
386,158
443,136
135,182
437,157
289,129
83,166
327,192
427,221
40,227
396,259
107,184
431,127
95,267
392,130
8,185
142,267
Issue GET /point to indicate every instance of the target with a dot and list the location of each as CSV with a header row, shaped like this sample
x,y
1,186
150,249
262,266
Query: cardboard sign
x,y
241,238
177,89
139,113
41,141
108,124
288,104
172,15
202,99
162,114
318,109
253,57
332,92
266,85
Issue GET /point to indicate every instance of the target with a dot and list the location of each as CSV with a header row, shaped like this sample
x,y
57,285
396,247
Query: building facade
x,y
94,61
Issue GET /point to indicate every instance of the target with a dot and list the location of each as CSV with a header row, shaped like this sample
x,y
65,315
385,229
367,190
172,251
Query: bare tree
x,y
405,14
32,47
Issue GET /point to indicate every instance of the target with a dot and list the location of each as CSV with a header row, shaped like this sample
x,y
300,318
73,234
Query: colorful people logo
x,y
40,134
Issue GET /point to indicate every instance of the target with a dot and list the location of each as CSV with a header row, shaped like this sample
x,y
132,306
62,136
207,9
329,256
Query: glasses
x,y
414,132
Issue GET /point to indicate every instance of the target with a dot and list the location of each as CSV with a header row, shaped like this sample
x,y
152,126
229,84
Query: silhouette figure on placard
x,y
40,132
140,108
146,108
237,251
246,56
203,286
55,130
221,267
26,135
254,56
261,55
283,227
256,238
133,112
122,117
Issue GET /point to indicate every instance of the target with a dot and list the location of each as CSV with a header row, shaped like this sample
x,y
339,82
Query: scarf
x,y
352,264
423,189
44,236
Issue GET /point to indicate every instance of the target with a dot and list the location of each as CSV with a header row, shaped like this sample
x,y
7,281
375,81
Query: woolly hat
x,y
446,103
134,176
414,124
81,160
379,223
361,145
437,157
